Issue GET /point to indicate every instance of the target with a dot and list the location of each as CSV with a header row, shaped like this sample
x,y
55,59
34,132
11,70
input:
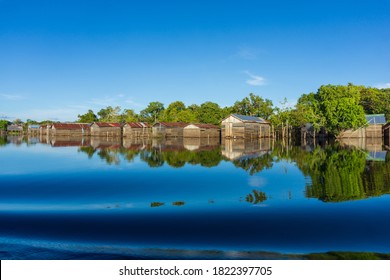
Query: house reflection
x,y
234,149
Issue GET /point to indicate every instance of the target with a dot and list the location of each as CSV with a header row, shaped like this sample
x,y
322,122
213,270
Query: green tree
x,y
172,111
308,110
375,101
254,105
340,107
109,114
3,125
153,112
210,112
128,115
88,117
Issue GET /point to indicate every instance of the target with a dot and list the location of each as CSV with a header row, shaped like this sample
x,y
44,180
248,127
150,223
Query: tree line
x,y
334,107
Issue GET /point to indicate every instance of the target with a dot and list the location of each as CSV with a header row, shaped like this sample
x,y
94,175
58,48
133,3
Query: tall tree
x,y
3,125
109,114
88,117
254,105
128,115
210,112
340,107
152,112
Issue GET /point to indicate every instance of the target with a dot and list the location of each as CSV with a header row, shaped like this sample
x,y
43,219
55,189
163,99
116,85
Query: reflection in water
x,y
241,195
256,197
351,170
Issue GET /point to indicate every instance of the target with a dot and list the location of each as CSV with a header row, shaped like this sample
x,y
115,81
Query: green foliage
x,y
88,117
308,110
109,114
210,112
254,105
375,101
128,115
340,107
177,112
153,112
3,125
256,197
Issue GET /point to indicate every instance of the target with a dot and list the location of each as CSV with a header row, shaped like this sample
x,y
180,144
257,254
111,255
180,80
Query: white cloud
x,y
381,86
255,80
11,97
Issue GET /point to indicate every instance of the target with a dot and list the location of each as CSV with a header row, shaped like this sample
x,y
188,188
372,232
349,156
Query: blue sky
x,y
61,58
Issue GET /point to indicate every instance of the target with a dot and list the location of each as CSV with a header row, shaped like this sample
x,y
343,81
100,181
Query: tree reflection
x,y
256,197
90,151
254,164
341,174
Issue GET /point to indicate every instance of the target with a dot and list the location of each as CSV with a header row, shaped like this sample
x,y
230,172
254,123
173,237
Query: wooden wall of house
x,y
247,131
350,133
371,131
33,131
374,131
106,131
201,133
174,132
69,132
192,132
165,132
137,132
158,131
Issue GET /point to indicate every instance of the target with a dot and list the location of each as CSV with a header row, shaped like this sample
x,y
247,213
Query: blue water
x,y
114,199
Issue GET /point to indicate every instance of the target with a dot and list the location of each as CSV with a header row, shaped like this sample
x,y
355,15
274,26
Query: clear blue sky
x,y
59,58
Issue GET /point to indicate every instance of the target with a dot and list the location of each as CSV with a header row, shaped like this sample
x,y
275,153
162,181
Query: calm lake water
x,y
113,198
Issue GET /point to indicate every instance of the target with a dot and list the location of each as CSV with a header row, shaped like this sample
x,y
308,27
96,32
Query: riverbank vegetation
x,y
333,107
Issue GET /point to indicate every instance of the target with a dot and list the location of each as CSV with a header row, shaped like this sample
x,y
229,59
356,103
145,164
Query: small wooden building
x,y
248,127
69,129
43,129
106,129
201,130
168,129
373,128
33,129
137,130
15,129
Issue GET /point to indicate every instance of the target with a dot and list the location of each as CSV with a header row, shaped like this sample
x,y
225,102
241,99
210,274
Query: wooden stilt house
x,y
33,129
69,129
168,129
248,127
14,129
373,128
106,129
201,131
137,130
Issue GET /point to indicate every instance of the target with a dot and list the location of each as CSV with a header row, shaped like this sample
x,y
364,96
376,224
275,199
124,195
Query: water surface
x,y
98,198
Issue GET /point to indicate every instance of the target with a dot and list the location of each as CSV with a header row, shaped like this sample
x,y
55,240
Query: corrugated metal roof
x,y
376,119
249,118
70,126
105,124
138,124
33,126
172,124
14,127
